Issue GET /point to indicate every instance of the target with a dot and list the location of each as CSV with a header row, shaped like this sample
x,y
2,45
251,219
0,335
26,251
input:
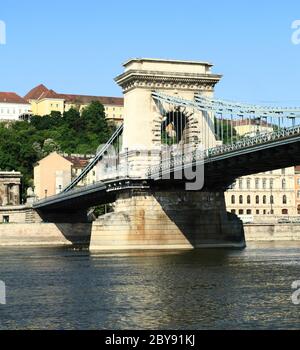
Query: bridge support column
x,y
167,220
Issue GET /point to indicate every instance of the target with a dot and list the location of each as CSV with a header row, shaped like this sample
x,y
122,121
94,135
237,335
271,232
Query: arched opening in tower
x,y
174,128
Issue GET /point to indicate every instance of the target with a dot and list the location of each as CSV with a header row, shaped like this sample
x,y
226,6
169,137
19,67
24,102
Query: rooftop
x,y
11,97
41,92
161,60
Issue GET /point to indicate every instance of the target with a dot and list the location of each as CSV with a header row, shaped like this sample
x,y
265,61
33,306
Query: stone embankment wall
x,y
272,232
43,234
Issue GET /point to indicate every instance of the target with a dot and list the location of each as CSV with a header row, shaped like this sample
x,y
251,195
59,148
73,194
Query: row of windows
x,y
14,111
257,212
258,199
259,183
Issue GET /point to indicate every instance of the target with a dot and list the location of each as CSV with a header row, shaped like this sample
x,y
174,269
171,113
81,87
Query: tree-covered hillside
x,y
23,143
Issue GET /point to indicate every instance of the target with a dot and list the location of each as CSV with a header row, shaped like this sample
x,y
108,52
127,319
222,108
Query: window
x,y
284,199
232,199
298,181
264,184
233,211
285,212
248,200
257,199
241,184
283,171
241,212
272,200
5,219
264,199
283,184
272,212
265,212
298,194
256,184
271,183
248,184
257,212
249,212
241,200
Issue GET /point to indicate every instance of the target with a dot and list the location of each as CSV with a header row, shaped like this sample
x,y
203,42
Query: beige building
x,y
270,193
13,107
10,183
252,127
44,101
55,172
297,188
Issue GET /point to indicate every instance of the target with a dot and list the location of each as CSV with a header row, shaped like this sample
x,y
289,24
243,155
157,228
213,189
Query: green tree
x,y
23,143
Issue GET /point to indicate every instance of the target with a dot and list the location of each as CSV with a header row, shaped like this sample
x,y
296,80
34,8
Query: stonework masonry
x,y
42,234
167,220
10,183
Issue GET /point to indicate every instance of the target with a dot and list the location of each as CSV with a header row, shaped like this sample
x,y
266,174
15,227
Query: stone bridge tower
x,y
152,217
143,118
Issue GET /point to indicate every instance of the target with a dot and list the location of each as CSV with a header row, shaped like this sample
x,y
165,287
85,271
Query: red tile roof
x,y
251,122
36,92
11,97
78,162
85,99
41,91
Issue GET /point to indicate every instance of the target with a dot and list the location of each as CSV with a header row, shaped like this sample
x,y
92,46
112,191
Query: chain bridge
x,y
165,169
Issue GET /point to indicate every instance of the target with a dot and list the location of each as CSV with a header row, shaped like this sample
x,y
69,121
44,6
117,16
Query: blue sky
x,y
79,46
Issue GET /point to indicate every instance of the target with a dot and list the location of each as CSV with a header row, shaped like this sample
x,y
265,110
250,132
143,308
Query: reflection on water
x,y
205,289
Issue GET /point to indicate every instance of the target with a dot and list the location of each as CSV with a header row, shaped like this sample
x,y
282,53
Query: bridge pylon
x,y
158,217
149,125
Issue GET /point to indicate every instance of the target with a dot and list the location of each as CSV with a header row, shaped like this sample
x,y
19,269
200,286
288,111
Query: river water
x,y
57,288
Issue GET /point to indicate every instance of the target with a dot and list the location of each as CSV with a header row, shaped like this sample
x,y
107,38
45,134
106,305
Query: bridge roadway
x,y
223,165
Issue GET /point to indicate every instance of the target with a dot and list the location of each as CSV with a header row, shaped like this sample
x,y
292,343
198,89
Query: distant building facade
x,y
10,183
270,193
251,127
56,171
297,188
44,101
13,106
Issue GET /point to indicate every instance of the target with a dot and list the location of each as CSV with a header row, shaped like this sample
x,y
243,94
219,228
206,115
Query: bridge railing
x,y
196,155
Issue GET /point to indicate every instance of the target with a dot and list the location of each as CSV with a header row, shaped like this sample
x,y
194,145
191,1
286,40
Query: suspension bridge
x,y
167,167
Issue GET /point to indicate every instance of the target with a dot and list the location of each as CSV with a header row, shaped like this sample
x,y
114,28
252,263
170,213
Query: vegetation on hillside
x,y
23,143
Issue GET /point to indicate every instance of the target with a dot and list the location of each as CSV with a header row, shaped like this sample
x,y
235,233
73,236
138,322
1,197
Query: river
x,y
58,288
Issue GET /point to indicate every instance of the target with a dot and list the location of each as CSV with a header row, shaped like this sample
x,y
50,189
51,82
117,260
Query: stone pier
x,y
167,220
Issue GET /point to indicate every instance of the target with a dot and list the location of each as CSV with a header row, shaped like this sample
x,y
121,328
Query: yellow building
x,y
43,101
271,193
251,127
56,171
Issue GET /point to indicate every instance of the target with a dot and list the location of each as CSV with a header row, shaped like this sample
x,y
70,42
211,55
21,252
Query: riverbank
x,y
47,234
272,232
